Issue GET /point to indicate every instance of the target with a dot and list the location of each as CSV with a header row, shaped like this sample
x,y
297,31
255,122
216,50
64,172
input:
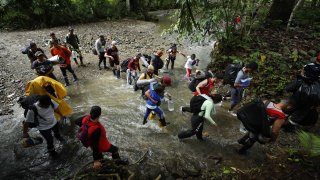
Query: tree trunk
x,y
281,10
128,5
293,12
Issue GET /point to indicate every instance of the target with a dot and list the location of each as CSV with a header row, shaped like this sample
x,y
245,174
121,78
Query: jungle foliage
x,y
260,36
30,14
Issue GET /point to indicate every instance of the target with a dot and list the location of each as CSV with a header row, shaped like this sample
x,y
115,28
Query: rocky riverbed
x,y
132,37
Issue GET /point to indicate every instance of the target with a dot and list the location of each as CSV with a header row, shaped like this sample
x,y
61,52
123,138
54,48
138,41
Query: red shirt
x,y
113,53
206,89
62,52
104,144
272,111
134,64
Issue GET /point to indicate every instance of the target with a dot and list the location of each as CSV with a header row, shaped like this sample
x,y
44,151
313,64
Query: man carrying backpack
x,y
275,117
205,86
41,116
156,61
73,40
132,67
202,107
32,51
238,86
93,134
305,96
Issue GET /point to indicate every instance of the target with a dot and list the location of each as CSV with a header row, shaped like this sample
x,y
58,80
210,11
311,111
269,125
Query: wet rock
x,y
11,95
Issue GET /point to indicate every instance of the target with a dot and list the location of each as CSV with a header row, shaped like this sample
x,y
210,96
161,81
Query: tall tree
x,y
281,10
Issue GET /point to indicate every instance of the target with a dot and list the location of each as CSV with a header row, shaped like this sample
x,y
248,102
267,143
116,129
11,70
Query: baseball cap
x,y
38,53
166,80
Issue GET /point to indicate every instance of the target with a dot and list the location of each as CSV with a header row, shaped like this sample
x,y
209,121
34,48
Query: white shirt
x,y
48,120
188,64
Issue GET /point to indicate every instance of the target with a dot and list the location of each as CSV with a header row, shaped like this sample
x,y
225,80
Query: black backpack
x,y
254,117
124,64
25,50
195,81
159,63
230,73
196,103
27,103
308,94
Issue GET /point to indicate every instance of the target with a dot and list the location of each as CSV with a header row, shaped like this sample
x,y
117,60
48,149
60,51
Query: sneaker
x,y
100,68
75,80
232,113
181,109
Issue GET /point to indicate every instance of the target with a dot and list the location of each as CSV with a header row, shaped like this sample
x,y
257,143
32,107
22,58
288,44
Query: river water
x,y
122,115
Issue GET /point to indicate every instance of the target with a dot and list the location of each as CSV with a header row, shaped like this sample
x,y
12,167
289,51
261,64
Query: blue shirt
x,y
154,95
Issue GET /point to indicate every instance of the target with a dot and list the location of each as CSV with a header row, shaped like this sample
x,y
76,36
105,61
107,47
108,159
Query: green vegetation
x,y
15,14
261,36
310,142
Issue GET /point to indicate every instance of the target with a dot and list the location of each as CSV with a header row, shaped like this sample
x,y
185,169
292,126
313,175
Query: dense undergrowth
x,y
31,14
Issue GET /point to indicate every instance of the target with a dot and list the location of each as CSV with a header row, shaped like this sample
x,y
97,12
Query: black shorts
x,y
113,62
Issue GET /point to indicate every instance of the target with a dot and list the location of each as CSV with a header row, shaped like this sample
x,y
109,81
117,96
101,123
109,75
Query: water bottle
x,y
170,105
28,142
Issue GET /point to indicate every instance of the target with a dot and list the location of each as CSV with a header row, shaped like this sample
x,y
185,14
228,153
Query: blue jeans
x,y
160,114
236,96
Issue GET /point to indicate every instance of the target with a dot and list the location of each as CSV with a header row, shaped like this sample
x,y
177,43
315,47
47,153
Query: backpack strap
x,y
35,111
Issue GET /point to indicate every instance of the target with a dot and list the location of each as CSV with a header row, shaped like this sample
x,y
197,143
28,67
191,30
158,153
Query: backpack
x,y
308,94
230,73
83,135
124,64
195,81
254,117
25,50
159,63
196,103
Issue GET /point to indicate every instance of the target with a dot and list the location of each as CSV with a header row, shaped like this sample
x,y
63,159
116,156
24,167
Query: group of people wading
x,y
45,108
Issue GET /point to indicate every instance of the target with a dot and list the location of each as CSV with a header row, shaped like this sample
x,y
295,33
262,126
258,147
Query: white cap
x,y
113,42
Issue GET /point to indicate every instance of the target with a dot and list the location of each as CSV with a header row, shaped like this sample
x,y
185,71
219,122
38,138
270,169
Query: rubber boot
x,y
81,61
243,139
144,121
67,81
75,60
247,145
118,74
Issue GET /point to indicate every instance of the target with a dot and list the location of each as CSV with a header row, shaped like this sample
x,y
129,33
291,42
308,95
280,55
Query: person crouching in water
x,y
98,141
276,118
204,110
154,96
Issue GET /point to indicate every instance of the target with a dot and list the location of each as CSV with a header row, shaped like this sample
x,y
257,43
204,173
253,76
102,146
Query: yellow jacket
x,y
37,86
